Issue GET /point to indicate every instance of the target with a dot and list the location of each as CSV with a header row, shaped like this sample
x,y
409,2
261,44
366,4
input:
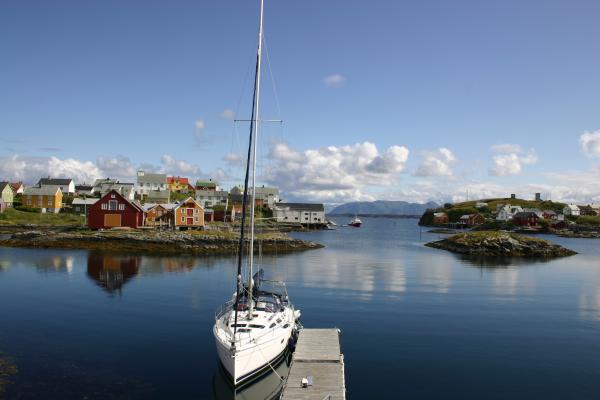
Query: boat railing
x,y
224,309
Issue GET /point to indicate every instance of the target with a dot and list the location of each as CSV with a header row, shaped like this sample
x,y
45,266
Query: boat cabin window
x,y
272,325
256,326
238,325
243,330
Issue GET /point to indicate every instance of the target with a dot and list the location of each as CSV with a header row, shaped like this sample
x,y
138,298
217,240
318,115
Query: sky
x,y
390,100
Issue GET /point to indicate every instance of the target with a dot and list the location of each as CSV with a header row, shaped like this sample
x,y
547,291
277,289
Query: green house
x,y
6,194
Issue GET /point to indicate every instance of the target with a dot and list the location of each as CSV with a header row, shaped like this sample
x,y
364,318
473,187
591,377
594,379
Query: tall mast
x,y
256,122
251,154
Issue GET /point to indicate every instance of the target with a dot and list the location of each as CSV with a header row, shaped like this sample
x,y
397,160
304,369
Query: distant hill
x,y
383,207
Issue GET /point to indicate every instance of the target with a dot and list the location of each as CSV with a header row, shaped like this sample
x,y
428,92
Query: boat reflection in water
x,y
111,271
268,386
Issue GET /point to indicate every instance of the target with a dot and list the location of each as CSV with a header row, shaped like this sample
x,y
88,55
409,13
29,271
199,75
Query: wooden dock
x,y
319,360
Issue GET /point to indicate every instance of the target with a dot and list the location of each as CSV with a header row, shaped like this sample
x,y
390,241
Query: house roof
x,y
53,181
206,183
83,187
37,191
267,190
212,193
5,184
159,194
167,206
572,207
525,214
152,178
302,206
183,202
16,185
178,179
84,201
100,181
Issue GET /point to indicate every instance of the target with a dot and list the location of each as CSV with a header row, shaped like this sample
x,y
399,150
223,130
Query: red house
x,y
526,218
114,211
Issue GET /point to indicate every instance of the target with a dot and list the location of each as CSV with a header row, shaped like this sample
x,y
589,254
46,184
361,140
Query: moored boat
x,y
355,222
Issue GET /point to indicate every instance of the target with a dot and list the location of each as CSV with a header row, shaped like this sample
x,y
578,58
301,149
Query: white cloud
x,y
436,163
118,166
200,125
227,114
590,143
510,159
335,80
334,173
30,169
506,148
234,159
178,167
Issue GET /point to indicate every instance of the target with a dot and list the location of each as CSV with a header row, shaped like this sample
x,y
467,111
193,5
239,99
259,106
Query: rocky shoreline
x,y
155,242
500,244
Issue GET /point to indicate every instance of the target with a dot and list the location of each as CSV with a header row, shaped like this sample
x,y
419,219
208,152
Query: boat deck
x,y
318,356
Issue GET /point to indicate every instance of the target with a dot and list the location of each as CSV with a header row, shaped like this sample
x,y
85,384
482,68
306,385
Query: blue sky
x,y
369,91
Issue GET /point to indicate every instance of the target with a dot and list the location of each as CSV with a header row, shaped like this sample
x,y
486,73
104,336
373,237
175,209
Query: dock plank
x,y
318,355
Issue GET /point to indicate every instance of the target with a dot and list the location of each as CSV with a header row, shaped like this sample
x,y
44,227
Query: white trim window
x,y
121,207
104,206
112,205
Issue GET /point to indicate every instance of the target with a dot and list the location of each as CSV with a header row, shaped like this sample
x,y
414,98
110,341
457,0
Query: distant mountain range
x,y
383,207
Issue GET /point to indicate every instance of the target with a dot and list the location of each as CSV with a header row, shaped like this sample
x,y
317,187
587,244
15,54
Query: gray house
x,y
302,213
81,206
65,185
147,182
158,196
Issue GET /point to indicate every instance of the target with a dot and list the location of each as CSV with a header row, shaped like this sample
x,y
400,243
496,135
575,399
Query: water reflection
x,y
589,304
111,271
56,263
267,387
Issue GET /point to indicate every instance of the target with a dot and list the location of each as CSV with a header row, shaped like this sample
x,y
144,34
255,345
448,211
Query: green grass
x,y
588,220
16,217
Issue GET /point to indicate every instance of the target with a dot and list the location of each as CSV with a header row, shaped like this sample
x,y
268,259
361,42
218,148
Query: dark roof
x,y
51,181
83,187
303,206
525,214
3,184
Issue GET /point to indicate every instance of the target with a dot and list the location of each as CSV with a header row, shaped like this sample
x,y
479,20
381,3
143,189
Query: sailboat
x,y
254,329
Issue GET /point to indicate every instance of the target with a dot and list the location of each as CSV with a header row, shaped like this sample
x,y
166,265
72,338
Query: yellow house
x,y
46,199
188,214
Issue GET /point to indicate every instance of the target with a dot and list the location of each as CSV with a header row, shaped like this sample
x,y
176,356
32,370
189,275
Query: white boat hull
x,y
254,351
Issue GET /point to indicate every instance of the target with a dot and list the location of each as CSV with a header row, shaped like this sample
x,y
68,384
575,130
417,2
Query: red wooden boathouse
x,y
114,211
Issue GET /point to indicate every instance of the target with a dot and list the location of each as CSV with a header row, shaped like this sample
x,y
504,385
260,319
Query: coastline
x,y
152,242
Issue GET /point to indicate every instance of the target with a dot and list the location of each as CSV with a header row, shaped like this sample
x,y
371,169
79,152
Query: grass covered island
x,y
500,244
155,242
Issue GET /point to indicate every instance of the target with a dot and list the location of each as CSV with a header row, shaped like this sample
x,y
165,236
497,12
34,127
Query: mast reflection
x,y
111,271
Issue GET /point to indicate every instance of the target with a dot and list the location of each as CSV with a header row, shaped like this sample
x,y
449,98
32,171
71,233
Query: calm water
x,y
416,322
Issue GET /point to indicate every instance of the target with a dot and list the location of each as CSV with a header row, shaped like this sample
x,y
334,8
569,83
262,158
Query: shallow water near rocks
x,y
416,322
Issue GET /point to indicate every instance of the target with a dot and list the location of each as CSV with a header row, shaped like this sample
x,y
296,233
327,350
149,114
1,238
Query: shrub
x,y
588,220
27,209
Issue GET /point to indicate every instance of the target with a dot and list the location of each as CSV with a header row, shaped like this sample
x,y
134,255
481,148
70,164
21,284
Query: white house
x,y
507,212
303,213
571,209
104,186
81,206
65,185
147,182
481,204
269,195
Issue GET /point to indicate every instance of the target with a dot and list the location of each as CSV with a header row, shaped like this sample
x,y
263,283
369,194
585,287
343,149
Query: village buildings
x,y
113,210
17,187
147,182
302,213
47,199
7,194
571,209
188,214
66,186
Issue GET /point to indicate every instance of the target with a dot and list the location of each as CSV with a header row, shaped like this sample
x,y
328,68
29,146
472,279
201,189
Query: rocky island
x,y
155,242
500,244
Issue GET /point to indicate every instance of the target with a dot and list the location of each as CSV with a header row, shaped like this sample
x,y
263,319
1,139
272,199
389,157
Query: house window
x,y
121,207
49,201
112,196
112,205
104,206
182,218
